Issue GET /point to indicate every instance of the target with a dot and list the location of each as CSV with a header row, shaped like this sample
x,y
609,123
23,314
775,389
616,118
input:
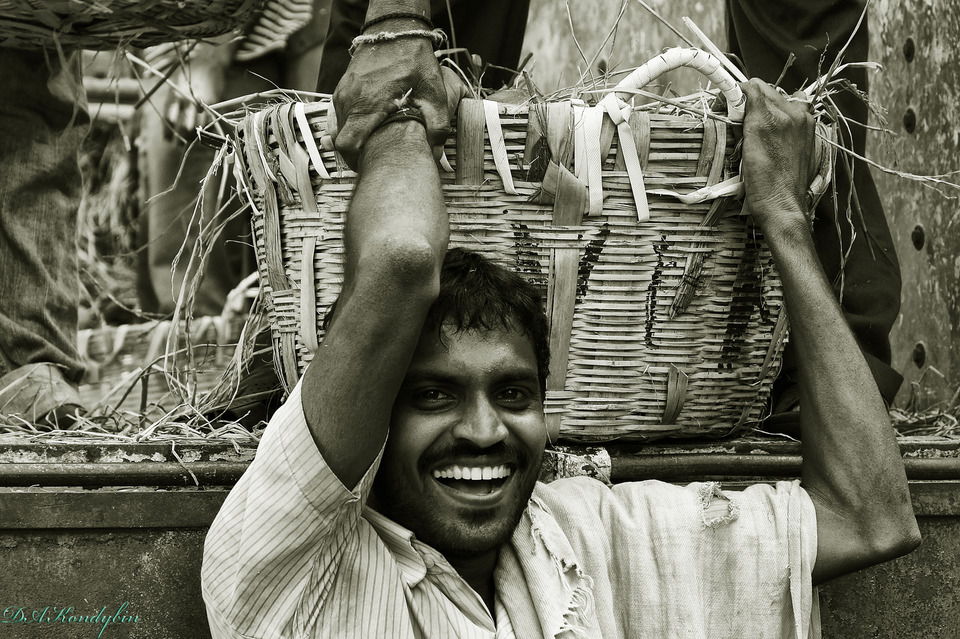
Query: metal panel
x,y
151,559
155,571
144,508
556,46
913,597
916,42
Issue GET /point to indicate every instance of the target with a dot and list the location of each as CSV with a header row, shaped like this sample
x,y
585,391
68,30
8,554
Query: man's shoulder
x,y
567,487
582,497
590,494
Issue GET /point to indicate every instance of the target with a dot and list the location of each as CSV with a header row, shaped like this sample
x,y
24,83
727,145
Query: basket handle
x,y
703,62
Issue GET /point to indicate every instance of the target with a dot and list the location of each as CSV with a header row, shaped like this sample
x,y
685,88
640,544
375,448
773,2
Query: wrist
x,y
401,137
436,38
395,19
776,208
379,10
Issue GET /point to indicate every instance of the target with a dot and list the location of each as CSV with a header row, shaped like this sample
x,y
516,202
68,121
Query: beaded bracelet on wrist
x,y
405,114
437,36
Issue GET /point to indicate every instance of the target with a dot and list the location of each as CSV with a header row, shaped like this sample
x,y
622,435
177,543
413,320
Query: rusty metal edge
x,y
138,510
123,474
624,467
109,510
724,465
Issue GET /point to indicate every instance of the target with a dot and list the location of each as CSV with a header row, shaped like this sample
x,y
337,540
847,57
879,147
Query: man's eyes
x,y
516,396
431,398
432,395
512,394
435,398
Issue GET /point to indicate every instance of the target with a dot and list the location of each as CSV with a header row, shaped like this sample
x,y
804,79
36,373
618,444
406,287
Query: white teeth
x,y
472,473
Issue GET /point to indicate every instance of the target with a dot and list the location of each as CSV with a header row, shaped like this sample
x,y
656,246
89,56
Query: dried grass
x,y
918,417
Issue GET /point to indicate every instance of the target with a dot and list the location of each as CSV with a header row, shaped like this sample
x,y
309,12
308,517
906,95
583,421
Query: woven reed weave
x,y
668,327
115,356
107,24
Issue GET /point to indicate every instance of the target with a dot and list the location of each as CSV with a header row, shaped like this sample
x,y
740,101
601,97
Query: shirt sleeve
x,y
671,561
280,533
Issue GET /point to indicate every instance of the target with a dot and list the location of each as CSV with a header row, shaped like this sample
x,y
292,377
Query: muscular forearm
x,y
398,210
394,241
851,462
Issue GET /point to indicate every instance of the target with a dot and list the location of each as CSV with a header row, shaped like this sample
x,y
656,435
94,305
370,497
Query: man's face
x,y
466,438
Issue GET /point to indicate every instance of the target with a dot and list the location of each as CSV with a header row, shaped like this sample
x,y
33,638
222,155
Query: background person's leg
x,y
43,120
492,30
763,34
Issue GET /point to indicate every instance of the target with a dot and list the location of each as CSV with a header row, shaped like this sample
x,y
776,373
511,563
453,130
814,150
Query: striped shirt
x,y
294,553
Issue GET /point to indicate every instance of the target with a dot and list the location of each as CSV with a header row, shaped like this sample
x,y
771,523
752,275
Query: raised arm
x,y
852,467
394,241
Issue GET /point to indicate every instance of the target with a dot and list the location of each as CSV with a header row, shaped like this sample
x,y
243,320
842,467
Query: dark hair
x,y
476,293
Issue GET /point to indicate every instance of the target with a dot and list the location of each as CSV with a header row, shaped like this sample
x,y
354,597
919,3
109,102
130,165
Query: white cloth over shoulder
x,y
667,561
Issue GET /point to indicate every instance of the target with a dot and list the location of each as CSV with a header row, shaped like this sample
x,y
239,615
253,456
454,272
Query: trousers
x,y
43,120
492,29
867,280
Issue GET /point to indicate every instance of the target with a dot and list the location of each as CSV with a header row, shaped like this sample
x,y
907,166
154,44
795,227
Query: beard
x,y
454,532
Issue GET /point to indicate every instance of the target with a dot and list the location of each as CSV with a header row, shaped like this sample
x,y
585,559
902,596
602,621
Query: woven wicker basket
x,y
115,358
107,24
666,315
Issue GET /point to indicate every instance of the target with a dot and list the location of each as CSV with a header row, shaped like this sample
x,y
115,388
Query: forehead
x,y
475,352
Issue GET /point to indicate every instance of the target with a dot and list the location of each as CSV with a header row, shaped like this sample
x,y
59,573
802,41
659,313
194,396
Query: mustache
x,y
499,453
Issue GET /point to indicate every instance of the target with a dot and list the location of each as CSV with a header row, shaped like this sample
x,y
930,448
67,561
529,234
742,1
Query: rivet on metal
x,y
919,355
918,237
910,121
909,49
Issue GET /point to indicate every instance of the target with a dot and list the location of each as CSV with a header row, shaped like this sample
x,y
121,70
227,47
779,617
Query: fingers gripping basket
x,y
665,309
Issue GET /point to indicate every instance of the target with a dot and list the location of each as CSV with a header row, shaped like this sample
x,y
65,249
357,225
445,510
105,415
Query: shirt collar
x,y
416,560
402,544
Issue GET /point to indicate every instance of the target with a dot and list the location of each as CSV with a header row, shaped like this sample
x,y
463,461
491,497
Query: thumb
x,y
351,137
437,122
455,87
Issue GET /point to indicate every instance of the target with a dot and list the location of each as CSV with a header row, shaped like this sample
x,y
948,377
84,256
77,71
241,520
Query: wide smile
x,y
474,485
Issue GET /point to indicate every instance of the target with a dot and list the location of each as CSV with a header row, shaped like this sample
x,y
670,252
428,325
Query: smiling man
x,y
467,424
395,494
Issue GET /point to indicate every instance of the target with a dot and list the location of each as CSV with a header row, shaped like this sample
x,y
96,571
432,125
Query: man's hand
x,y
778,138
385,77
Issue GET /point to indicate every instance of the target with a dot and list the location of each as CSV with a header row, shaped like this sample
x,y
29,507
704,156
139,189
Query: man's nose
x,y
481,424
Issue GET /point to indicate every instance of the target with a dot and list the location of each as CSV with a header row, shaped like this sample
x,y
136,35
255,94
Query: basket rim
x,y
109,24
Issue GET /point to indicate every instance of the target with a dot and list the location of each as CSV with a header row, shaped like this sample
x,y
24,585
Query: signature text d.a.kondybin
x,y
68,615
